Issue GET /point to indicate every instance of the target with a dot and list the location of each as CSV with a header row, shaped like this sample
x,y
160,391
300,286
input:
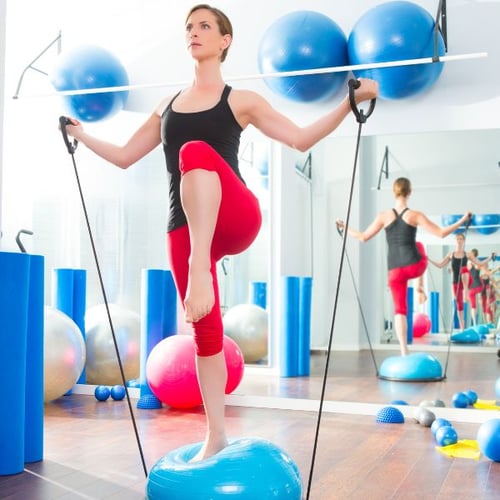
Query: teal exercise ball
x,y
396,31
90,67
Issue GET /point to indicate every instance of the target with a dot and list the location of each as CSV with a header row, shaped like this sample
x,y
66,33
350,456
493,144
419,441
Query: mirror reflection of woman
x,y
489,293
476,287
458,260
406,257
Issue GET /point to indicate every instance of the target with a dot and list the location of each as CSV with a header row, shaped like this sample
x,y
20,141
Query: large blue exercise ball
x,y
396,31
90,67
486,223
248,468
488,439
303,40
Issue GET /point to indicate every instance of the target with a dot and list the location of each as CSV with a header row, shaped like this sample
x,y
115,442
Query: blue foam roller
x,y
304,353
34,403
467,336
434,311
390,415
158,321
409,316
416,367
248,468
14,302
290,313
258,293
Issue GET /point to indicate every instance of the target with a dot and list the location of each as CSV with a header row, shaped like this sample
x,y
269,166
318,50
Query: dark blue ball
x,y
396,31
471,396
102,393
118,392
90,67
303,40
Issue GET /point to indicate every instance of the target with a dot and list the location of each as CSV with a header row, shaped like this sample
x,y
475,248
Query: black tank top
x,y
401,239
216,126
476,278
457,263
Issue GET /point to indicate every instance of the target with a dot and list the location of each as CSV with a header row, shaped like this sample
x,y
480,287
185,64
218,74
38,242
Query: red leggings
x,y
399,277
238,223
472,296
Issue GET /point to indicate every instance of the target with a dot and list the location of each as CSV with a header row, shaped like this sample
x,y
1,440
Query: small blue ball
x,y
102,393
471,396
460,400
439,422
497,385
446,435
118,392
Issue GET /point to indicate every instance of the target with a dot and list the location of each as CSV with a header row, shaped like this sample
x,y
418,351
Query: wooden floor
x,y
91,451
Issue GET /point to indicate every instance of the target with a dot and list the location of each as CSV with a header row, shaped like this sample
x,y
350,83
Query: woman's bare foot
x,y
200,298
209,449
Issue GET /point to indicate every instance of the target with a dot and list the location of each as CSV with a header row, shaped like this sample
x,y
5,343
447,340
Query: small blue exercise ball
x,y
460,400
439,422
471,396
303,40
90,67
497,388
488,439
118,392
446,435
486,223
396,31
102,392
250,468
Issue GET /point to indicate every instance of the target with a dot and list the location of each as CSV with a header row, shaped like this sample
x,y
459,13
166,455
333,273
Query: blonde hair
x,y
223,22
401,187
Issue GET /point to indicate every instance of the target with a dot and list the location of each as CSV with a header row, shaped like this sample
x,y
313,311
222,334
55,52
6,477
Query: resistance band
x,y
361,118
71,147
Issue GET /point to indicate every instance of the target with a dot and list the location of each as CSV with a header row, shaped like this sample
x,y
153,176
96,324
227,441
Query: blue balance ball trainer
x,y
396,31
413,367
467,336
449,219
488,439
248,468
390,415
303,40
90,67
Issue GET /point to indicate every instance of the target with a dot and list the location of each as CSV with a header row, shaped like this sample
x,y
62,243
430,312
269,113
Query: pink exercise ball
x,y
171,370
421,324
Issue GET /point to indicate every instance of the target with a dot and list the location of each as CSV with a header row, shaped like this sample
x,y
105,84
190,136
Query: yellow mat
x,y
482,404
463,448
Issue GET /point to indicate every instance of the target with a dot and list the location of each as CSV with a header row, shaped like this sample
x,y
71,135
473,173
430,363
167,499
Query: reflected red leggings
x,y
399,277
238,223
473,294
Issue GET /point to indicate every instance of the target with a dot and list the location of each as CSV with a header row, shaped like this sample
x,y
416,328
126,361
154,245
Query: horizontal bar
x,y
257,76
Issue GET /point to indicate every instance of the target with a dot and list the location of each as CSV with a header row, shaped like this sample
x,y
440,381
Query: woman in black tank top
x,y
406,258
200,132
458,260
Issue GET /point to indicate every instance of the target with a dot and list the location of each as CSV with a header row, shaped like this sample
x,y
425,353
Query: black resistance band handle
x,y
70,146
361,117
18,239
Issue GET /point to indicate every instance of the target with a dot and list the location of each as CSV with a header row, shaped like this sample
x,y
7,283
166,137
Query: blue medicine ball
x,y
396,31
303,40
90,67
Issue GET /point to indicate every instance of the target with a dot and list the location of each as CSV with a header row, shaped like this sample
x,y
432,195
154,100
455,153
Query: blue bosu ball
x,y
416,367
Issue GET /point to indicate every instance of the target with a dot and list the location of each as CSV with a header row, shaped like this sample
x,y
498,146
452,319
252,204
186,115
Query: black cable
x,y
361,118
71,147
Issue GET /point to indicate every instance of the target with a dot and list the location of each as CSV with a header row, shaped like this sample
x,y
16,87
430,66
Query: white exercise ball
x,y
64,353
102,362
247,325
